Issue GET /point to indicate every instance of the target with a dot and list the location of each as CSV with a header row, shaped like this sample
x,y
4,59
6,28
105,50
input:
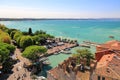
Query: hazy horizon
x,y
59,9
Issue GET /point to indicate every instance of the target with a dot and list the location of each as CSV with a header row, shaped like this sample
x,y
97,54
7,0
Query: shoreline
x,y
27,19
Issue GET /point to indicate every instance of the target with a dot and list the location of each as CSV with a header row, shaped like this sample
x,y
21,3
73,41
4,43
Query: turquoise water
x,y
93,30
82,30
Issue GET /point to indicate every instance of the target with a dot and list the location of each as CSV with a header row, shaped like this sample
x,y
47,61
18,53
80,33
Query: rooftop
x,y
114,44
109,64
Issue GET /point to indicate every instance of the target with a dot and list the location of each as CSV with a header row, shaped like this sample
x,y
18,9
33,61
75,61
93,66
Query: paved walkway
x,y
19,72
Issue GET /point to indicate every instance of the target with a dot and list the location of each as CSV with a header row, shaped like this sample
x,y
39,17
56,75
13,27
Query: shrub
x,y
18,41
12,34
36,39
25,33
17,35
3,28
39,32
4,53
11,30
84,53
4,37
10,47
33,52
25,41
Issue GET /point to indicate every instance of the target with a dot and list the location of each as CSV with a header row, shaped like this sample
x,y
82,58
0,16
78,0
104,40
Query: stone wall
x,y
50,76
66,70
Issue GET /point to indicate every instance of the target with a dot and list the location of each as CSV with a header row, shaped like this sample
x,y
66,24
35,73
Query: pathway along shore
x,y
19,72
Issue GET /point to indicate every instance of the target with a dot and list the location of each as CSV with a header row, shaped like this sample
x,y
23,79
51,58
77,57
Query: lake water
x,y
82,30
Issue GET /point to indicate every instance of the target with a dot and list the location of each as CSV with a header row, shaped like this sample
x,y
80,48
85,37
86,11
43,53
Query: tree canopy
x,y
5,50
84,53
17,35
30,31
12,33
4,37
3,28
26,41
33,52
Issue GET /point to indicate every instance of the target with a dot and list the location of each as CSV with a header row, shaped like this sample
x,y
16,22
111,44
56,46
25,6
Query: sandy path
x,y
19,72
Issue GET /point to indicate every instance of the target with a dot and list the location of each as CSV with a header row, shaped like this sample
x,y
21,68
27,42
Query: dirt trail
x,y
19,72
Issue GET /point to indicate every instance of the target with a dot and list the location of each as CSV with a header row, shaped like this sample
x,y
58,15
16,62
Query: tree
x,y
12,34
25,33
17,35
25,41
11,30
4,37
9,47
36,39
5,59
30,31
84,53
4,53
3,28
33,52
39,32
7,66
18,41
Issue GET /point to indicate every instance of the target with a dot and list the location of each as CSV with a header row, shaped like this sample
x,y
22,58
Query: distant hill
x,y
22,19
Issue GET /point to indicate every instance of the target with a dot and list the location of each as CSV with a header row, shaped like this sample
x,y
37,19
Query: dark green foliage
x,y
5,59
25,41
36,39
3,28
12,34
25,33
7,66
33,52
17,35
4,53
11,30
30,31
4,37
84,53
9,47
39,39
18,41
39,32
45,36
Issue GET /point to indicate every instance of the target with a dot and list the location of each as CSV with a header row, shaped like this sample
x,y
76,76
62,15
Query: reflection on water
x,y
44,71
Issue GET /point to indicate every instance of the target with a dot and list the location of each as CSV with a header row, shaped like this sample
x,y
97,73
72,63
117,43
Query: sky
x,y
59,8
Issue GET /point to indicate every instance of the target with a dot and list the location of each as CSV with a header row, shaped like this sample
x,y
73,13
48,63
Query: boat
x,y
56,53
46,62
67,52
41,78
61,51
43,59
67,49
84,45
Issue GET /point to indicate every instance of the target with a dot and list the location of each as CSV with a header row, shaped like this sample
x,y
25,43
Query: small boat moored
x,y
46,62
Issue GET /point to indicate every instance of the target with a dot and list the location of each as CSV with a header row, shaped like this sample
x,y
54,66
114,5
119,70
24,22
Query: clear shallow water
x,y
93,30
82,30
